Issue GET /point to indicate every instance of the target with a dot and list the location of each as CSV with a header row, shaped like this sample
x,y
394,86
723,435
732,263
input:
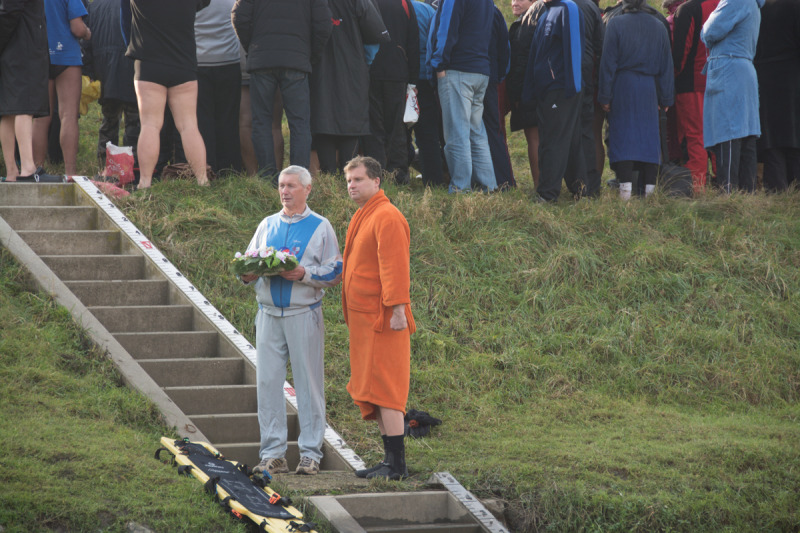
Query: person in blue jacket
x,y
428,129
553,79
459,54
731,122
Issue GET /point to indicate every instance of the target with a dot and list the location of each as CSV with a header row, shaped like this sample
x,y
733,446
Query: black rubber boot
x,y
394,468
366,471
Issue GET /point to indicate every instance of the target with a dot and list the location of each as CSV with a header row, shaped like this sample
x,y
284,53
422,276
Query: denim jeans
x,y
466,144
297,106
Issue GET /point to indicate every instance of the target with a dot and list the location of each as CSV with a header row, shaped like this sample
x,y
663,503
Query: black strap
x,y
185,470
211,485
162,449
305,527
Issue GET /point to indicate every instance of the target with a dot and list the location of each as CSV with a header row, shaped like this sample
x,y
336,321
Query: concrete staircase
x,y
196,367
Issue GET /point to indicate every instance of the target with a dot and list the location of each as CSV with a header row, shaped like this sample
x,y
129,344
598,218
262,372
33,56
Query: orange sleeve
x,y
394,258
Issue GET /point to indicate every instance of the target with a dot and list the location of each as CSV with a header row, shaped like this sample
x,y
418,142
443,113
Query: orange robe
x,y
375,277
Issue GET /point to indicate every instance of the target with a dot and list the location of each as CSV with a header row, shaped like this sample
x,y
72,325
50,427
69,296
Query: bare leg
x,y
68,91
277,129
7,142
390,421
246,133
532,136
182,101
152,98
41,128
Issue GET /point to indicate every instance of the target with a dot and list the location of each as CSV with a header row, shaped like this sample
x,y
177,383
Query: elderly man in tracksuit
x,y
289,324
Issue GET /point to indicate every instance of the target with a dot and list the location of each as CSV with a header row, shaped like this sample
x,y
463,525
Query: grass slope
x,y
601,366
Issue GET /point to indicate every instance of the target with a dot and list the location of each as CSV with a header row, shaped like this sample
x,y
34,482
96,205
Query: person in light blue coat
x,y
730,115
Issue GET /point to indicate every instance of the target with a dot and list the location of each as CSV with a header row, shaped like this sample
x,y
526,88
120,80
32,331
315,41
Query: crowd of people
x,y
714,86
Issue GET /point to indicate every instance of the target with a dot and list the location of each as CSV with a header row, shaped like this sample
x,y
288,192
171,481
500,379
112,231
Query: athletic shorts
x,y
162,74
57,70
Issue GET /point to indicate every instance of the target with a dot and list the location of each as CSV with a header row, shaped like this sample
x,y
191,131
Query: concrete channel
x,y
172,345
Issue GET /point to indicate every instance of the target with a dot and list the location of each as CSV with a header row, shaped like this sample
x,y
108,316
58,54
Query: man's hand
x,y
441,74
398,321
295,274
247,278
606,107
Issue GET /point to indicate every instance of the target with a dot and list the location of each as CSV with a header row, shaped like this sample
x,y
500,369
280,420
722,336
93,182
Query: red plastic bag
x,y
119,163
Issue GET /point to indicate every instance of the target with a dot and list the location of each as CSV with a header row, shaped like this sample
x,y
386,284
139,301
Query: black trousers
x,y
781,168
560,151
387,141
113,111
498,148
428,131
637,173
737,165
219,91
328,146
591,182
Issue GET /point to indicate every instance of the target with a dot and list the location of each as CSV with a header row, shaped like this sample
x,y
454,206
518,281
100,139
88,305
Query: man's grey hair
x,y
302,174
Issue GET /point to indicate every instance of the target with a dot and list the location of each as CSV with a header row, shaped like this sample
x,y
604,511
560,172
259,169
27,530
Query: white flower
x,y
263,253
281,256
238,255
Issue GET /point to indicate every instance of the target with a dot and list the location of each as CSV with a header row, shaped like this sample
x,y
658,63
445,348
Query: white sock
x,y
625,190
648,189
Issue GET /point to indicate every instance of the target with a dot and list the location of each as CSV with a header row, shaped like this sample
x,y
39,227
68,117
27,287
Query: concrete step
x,y
145,318
120,293
215,400
71,217
89,242
170,344
198,372
37,194
239,427
96,267
247,452
395,512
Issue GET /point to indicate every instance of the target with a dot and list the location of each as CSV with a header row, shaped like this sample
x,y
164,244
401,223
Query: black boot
x,y
364,472
394,468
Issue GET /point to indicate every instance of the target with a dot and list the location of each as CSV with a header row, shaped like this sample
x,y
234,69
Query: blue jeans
x,y
466,144
297,105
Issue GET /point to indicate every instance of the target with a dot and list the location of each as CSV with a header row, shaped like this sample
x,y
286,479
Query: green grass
x,y
599,366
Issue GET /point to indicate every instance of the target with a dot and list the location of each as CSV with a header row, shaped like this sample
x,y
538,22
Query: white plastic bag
x,y
411,115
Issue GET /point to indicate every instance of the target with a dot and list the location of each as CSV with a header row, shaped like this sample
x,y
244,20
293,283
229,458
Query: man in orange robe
x,y
377,309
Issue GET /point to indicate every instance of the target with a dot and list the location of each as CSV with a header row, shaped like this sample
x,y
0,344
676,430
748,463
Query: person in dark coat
x,y
495,129
104,58
285,40
23,82
593,31
340,83
553,79
523,114
777,65
636,78
394,67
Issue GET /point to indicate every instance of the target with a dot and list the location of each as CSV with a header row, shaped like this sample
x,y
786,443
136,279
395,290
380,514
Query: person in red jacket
x,y
689,55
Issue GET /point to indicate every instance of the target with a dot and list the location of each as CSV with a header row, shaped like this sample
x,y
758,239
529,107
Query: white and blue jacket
x,y
310,237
